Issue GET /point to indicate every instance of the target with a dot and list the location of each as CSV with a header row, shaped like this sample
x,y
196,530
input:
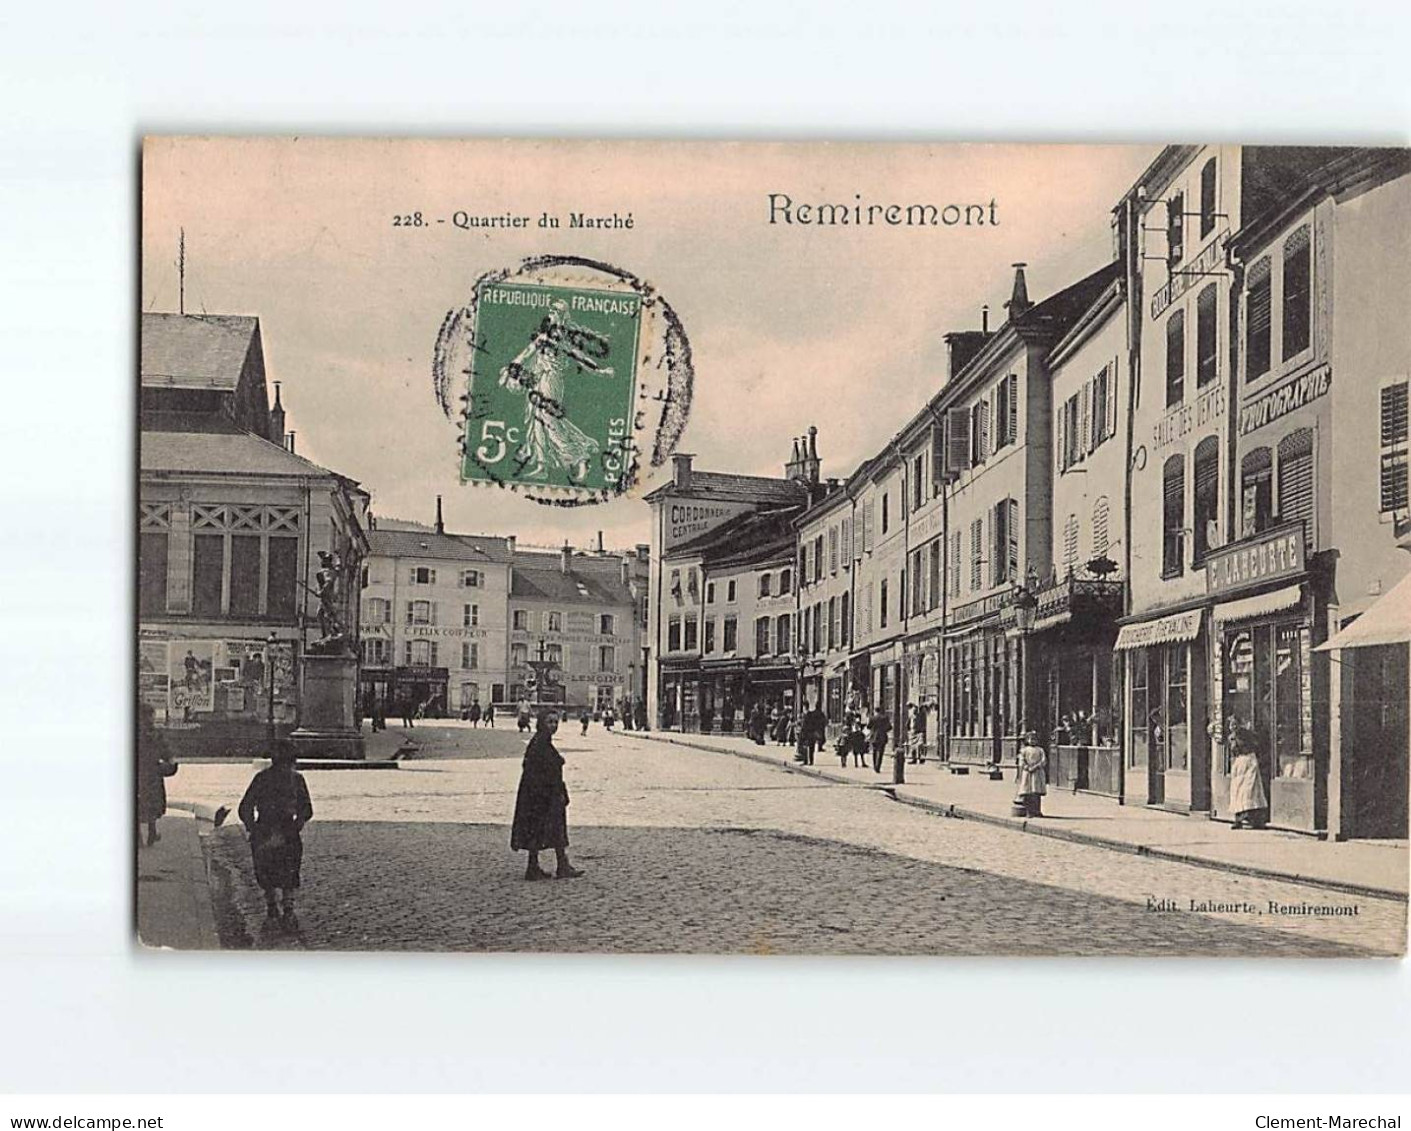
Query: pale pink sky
x,y
838,327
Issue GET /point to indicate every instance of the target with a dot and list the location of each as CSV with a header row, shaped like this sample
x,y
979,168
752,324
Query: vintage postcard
x,y
866,549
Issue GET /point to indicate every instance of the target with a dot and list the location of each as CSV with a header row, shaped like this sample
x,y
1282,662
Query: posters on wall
x,y
191,668
153,679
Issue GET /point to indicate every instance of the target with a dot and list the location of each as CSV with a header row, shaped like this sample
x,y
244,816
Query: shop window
x,y
1175,229
761,636
207,574
1207,198
1256,491
1138,747
1206,525
1173,516
152,573
1257,321
1207,337
1296,502
1177,737
673,634
729,633
1298,294
1395,440
1175,358
691,633
709,635
782,634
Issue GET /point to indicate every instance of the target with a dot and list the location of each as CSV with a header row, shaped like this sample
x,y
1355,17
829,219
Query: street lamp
x,y
270,643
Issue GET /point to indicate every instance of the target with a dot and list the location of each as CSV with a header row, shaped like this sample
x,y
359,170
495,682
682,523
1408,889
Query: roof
x,y
748,540
1388,621
196,351
573,588
739,488
228,451
440,547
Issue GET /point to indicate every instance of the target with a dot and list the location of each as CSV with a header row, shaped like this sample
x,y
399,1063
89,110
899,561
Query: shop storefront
x,y
983,696
1263,639
923,682
1167,700
722,694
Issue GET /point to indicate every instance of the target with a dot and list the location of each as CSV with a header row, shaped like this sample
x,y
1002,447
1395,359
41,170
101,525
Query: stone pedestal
x,y
327,728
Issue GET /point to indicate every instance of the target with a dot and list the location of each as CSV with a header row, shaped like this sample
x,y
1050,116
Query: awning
x,y
1167,630
1388,621
1262,605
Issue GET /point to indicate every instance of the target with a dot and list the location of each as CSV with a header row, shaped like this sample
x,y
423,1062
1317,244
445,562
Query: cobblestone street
x,y
692,851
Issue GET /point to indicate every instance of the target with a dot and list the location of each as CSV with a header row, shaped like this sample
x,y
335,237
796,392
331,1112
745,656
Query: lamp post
x,y
270,643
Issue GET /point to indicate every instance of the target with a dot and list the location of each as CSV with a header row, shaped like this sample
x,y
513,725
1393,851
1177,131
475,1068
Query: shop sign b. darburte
x,y
1268,556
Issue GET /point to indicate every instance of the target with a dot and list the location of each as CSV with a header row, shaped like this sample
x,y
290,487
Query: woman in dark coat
x,y
274,811
153,767
541,807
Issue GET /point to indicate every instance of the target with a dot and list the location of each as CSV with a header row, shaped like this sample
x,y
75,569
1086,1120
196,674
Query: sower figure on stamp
x,y
274,811
541,806
559,347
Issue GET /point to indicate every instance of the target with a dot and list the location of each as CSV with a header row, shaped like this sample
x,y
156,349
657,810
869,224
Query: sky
x,y
789,325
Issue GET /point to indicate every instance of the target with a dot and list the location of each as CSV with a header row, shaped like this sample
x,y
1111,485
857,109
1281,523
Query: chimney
x,y
794,469
811,463
509,543
961,347
566,557
289,442
625,573
600,541
440,523
276,419
681,471
1018,301
985,319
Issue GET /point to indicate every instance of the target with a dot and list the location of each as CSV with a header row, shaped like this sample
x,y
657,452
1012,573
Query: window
x,y
845,537
1175,229
1206,527
691,632
805,621
152,573
519,655
710,592
1070,419
1207,198
764,585
1070,545
1005,551
379,611
673,634
1257,321
470,656
607,658
472,579
676,584
832,623
818,558
1296,481
710,635
1006,411
421,653
818,627
782,642
730,593
979,433
935,574
470,616
977,539
917,488
1103,410
955,563
207,574
833,549
883,621
1177,695
761,636
423,575
520,620
1395,440
1175,358
377,651
553,622
786,582
918,584
421,612
1256,491
607,624
244,575
845,617
283,585
1298,294
553,653
886,498
1207,337
803,564
1173,516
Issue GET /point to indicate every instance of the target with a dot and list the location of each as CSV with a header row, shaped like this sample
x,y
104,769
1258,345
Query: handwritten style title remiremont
x,y
833,214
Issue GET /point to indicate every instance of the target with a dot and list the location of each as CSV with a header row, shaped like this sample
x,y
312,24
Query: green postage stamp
x,y
567,365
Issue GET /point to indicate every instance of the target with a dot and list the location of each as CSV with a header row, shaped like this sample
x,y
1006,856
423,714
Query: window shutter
x,y
1013,425
1085,428
957,440
938,458
984,442
1296,480
1395,488
1112,398
1058,446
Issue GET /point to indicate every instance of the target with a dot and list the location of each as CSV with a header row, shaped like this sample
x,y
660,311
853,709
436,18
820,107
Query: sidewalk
x,y
173,895
1377,869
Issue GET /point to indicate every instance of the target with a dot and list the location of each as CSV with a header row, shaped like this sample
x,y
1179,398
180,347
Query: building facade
x,y
825,601
237,536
